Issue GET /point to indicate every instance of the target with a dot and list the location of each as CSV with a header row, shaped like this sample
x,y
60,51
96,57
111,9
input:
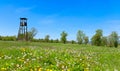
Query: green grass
x,y
31,56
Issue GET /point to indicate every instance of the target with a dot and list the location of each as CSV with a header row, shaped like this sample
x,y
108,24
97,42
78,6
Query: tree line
x,y
111,40
97,39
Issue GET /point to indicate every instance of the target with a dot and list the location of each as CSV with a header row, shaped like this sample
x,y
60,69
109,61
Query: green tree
x,y
47,38
63,37
0,37
72,41
41,40
113,39
80,37
97,38
8,38
86,40
104,41
51,40
56,41
32,33
110,41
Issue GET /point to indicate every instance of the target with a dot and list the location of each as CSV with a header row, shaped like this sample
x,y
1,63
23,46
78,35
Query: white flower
x,y
17,65
115,70
27,59
62,66
33,59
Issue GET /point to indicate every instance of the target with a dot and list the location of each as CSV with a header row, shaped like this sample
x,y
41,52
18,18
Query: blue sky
x,y
54,16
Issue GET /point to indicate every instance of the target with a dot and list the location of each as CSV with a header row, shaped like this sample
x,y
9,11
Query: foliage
x,y
97,38
32,33
41,40
104,41
0,37
80,36
51,40
8,38
86,40
63,37
56,41
113,39
110,41
21,37
47,38
72,41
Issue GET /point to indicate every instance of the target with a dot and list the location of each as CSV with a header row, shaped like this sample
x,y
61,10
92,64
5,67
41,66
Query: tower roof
x,y
23,18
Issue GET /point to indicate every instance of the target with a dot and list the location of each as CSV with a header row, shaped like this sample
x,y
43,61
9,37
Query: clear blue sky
x,y
54,16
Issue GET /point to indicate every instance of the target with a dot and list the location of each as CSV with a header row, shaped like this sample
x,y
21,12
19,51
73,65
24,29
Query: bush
x,y
116,44
8,38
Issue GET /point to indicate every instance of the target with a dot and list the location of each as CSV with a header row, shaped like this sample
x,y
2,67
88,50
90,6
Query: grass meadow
x,y
36,56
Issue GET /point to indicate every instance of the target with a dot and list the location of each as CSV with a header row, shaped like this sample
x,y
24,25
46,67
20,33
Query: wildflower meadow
x,y
35,56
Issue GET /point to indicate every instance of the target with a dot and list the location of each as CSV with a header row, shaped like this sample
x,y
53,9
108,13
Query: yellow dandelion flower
x,y
35,69
31,69
21,60
3,69
47,70
23,49
86,69
40,69
68,69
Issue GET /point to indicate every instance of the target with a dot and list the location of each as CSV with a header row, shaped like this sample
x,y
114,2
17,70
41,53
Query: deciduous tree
x,y
80,37
113,39
104,41
47,38
86,40
32,33
63,37
96,39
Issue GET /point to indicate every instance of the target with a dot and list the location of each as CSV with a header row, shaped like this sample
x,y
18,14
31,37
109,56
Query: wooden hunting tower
x,y
22,33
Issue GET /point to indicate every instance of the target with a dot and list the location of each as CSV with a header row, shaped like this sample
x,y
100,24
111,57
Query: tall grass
x,y
30,56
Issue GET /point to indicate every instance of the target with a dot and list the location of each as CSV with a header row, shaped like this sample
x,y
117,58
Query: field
x,y
36,56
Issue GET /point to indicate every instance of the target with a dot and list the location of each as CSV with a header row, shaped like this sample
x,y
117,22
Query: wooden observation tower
x,y
22,33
